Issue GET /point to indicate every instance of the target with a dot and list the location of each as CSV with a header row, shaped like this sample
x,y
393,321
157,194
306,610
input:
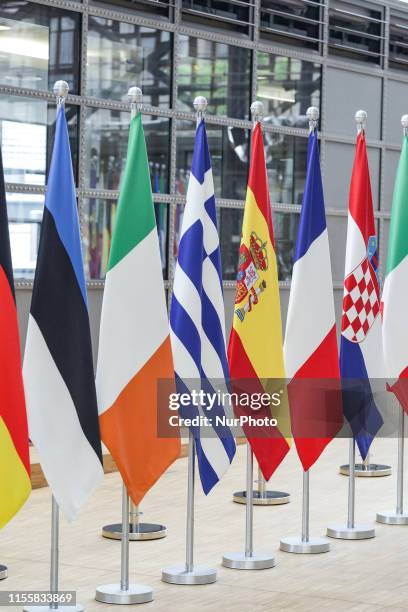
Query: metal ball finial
x,y
257,109
135,95
312,113
404,121
360,117
200,104
61,89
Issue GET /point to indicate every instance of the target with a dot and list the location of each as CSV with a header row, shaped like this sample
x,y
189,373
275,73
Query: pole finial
x,y
61,89
312,114
361,120
404,123
257,110
200,105
135,96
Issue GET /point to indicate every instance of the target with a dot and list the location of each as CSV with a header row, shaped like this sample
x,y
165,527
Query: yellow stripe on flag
x,y
15,485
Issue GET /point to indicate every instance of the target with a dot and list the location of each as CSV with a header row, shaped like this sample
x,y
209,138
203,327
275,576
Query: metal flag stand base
x,y
54,568
367,469
137,531
397,517
124,593
190,573
248,560
305,544
262,496
3,572
351,531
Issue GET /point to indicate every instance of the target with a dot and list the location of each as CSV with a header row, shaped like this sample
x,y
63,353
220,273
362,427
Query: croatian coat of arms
x,y
253,259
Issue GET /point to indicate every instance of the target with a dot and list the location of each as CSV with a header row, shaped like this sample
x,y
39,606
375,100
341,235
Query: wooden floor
x,y
360,576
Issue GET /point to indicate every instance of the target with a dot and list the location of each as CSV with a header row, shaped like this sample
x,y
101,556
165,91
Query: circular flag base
x,y
372,469
392,518
268,498
143,531
113,594
3,572
358,532
77,608
312,546
179,575
257,561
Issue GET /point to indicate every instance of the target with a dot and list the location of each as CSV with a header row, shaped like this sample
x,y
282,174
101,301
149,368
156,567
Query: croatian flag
x,y
58,370
361,353
311,354
197,326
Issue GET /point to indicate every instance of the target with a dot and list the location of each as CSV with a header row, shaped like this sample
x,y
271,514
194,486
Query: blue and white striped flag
x,y
197,325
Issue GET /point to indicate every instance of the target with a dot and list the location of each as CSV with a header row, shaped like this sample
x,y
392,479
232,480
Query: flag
x,y
361,354
134,344
58,370
395,293
255,351
197,326
15,485
311,356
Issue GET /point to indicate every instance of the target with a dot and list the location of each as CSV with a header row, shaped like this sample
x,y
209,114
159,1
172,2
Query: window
x,y
229,156
356,32
217,71
25,211
294,22
287,87
285,231
38,45
286,165
159,9
27,135
398,47
106,144
233,15
121,55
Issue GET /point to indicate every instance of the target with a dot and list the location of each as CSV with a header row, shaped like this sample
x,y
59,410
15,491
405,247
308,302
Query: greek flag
x,y
197,326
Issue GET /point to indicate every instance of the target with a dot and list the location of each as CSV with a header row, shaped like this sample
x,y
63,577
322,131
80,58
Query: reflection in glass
x,y
25,212
38,45
106,144
27,128
286,166
285,231
287,87
97,231
217,71
121,55
293,23
229,157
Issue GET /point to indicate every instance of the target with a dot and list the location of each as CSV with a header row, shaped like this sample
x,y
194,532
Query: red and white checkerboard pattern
x,y
361,303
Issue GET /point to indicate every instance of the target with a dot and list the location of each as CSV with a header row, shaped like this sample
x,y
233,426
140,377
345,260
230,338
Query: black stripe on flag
x,y
61,314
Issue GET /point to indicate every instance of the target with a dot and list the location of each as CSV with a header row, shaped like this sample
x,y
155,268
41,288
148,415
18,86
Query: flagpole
x,y
399,517
262,496
61,89
305,544
188,573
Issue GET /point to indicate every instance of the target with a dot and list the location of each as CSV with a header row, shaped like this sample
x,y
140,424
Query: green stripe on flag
x,y
135,214
398,238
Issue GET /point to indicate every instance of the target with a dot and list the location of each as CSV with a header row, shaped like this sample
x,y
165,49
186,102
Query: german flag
x,y
15,485
255,351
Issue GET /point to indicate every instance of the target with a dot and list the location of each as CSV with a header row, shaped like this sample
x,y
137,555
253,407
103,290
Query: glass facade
x,y
287,54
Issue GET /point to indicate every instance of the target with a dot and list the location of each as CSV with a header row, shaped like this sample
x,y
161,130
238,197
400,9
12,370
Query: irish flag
x,y
395,293
134,344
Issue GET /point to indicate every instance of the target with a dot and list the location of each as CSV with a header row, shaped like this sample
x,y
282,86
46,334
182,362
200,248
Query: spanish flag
x,y
255,352
15,483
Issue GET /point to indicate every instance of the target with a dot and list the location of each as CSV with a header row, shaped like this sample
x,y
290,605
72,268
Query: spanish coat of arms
x,y
252,260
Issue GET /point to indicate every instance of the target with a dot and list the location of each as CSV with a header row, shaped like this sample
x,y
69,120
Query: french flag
x,y
361,353
311,352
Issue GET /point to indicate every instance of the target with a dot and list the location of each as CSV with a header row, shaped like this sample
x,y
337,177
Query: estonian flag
x,y
58,370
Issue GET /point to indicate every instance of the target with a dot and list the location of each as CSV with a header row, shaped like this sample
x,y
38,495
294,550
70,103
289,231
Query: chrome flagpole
x,y
248,559
124,593
399,517
190,573
54,547
305,544
261,496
